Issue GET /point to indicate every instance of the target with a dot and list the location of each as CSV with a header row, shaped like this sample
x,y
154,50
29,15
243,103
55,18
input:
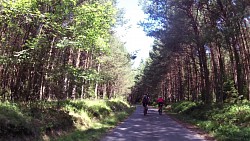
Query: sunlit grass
x,y
226,122
97,129
99,125
64,120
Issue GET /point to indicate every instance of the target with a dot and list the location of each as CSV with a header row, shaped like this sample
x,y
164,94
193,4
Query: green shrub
x,y
116,105
228,122
183,107
230,93
13,122
227,132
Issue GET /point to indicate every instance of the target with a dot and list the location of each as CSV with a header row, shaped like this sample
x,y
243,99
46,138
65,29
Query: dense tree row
x,y
201,52
59,49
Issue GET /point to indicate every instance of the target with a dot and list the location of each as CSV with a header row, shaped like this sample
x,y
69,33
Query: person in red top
x,y
160,102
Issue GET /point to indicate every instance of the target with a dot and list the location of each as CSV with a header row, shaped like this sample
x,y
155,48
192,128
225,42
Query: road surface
x,y
152,127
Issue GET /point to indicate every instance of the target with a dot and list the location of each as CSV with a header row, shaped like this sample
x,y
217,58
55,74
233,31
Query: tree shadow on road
x,y
152,127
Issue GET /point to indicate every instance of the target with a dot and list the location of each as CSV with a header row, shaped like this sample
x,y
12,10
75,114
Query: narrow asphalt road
x,y
152,127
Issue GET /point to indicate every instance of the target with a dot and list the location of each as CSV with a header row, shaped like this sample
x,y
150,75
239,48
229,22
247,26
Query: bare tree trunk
x,y
215,73
42,89
104,90
246,51
238,68
222,72
82,91
96,84
195,80
77,65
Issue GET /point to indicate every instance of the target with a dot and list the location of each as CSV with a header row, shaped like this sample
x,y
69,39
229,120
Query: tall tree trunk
x,y
244,36
222,72
238,68
96,83
215,83
77,65
104,90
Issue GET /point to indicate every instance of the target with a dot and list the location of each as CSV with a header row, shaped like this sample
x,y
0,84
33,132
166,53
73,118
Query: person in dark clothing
x,y
145,100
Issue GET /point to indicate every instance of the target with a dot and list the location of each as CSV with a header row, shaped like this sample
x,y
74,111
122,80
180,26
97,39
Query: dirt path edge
x,y
192,127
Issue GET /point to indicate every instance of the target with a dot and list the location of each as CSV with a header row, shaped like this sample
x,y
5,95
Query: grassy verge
x,y
98,126
96,130
227,122
64,120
